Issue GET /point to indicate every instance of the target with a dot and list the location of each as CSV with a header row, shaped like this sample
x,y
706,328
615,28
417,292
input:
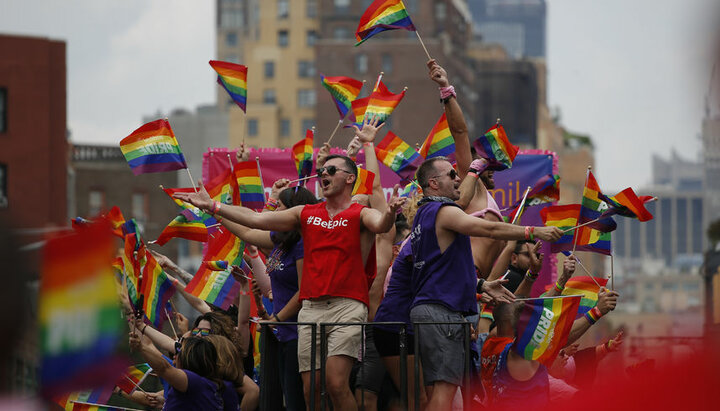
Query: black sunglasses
x,y
452,174
331,170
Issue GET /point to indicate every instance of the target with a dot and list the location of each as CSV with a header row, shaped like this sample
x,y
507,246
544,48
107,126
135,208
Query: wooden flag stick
x,y
262,184
101,406
336,129
583,224
301,179
423,45
191,179
171,323
134,383
549,298
577,260
377,83
522,205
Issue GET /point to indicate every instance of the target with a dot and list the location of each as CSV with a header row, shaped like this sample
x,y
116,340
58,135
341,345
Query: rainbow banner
x,y
217,265
383,15
218,287
78,313
544,326
233,78
496,148
153,148
566,217
250,186
156,288
98,395
586,287
344,90
627,204
132,378
439,142
364,182
381,104
398,156
592,206
302,154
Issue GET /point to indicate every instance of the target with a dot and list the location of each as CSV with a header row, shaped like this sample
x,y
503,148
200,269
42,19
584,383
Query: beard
x,y
487,180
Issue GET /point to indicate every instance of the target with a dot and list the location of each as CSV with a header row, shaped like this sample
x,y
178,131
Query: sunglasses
x,y
452,174
203,332
331,170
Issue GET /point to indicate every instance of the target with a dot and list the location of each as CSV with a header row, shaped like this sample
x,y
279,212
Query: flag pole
x,y
134,383
171,323
423,45
336,129
549,298
612,269
522,205
301,179
104,405
587,271
262,184
377,83
191,179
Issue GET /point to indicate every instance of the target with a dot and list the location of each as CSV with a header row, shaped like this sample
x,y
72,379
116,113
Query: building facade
x,y
517,25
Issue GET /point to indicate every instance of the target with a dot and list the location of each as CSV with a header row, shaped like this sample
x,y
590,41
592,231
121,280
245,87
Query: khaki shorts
x,y
341,340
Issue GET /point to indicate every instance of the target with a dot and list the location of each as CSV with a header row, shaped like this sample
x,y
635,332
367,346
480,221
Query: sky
x,y
631,74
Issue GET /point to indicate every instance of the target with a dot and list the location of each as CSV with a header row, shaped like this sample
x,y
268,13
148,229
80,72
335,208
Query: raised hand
x,y
354,147
161,259
614,344
396,202
569,267
497,291
536,258
551,234
322,154
242,154
607,300
182,322
369,129
278,186
201,199
437,73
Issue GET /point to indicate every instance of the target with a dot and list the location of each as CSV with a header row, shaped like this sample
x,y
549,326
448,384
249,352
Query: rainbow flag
x,y
223,247
155,287
217,265
565,217
544,326
153,148
116,219
186,225
496,147
381,104
364,182
592,206
546,190
357,115
344,90
302,154
439,142
233,78
398,156
98,395
218,287
627,204
224,188
81,329
585,286
132,378
131,269
410,189
250,186
383,15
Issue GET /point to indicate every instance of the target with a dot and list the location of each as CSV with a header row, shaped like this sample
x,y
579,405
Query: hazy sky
x,y
629,73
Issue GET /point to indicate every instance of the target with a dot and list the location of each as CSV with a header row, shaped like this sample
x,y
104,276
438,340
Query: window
x,y
140,207
361,63
306,98
269,96
307,124
3,186
231,38
342,6
283,9
311,8
282,38
3,110
231,18
233,58
285,127
269,68
311,38
252,127
440,10
96,202
306,68
387,63
341,33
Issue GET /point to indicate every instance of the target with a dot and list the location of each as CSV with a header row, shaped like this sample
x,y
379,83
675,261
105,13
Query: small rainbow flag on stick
x,y
566,217
250,186
223,247
496,147
132,378
439,142
153,148
98,395
381,104
219,265
398,155
358,111
410,189
383,15
592,206
155,287
364,182
544,326
78,313
627,204
233,78
302,154
344,90
587,288
224,188
218,287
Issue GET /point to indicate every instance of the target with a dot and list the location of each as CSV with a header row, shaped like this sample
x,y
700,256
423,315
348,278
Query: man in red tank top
x,y
339,265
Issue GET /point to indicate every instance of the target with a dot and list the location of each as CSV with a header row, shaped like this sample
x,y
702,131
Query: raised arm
x,y
455,118
367,137
454,219
175,377
503,261
567,272
607,300
161,340
469,182
378,222
170,267
259,271
194,301
284,220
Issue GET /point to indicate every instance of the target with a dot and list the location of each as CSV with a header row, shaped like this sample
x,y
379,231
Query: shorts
x,y
388,342
371,370
341,340
442,346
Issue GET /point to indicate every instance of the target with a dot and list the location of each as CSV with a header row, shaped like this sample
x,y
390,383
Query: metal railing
x,y
265,332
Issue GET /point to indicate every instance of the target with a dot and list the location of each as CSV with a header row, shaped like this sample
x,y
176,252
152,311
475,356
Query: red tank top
x,y
332,264
491,350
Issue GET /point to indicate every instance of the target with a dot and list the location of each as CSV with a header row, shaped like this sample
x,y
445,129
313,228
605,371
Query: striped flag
x,y
383,15
344,90
132,378
398,156
153,148
592,206
302,154
364,182
544,326
439,142
566,217
586,287
381,104
496,148
233,78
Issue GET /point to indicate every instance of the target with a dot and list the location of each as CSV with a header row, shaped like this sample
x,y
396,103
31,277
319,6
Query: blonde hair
x,y
411,207
228,359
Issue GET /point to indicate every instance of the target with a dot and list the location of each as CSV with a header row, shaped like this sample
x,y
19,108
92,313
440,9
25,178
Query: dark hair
x,y
291,197
348,162
199,356
221,324
507,314
426,169
227,359
401,225
521,245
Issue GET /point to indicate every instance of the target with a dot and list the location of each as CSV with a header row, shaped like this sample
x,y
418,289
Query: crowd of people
x,y
433,259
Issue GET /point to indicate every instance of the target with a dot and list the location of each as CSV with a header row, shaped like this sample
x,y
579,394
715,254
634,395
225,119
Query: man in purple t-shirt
x,y
443,277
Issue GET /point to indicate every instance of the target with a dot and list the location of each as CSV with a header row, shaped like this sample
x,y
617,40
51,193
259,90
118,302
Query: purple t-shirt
x,y
282,268
201,394
509,393
395,306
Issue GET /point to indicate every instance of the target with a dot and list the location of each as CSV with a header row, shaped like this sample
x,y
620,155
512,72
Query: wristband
x,y
478,166
368,143
533,276
527,232
532,233
446,93
244,293
558,288
593,315
276,318
271,204
478,297
256,255
474,174
479,286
